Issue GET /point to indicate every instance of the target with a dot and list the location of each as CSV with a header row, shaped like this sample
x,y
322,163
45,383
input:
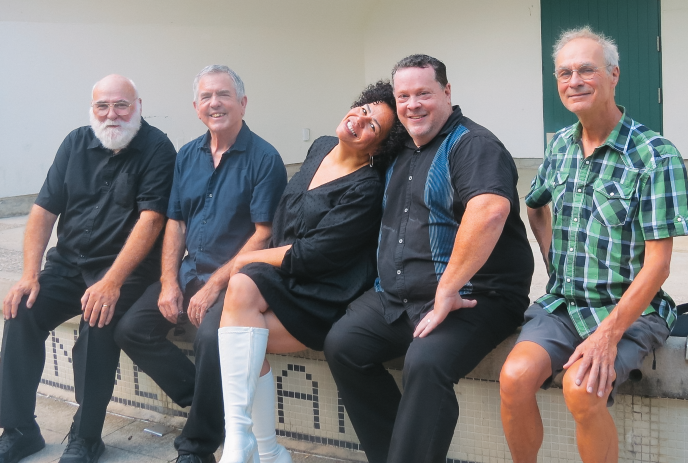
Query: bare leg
x,y
596,434
525,370
245,308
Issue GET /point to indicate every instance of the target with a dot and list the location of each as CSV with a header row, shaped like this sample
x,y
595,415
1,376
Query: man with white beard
x,y
109,184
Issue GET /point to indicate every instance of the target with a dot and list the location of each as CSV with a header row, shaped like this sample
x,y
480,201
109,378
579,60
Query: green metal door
x,y
635,26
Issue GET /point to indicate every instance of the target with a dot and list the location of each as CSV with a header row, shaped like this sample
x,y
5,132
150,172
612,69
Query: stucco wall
x,y
301,61
674,71
492,53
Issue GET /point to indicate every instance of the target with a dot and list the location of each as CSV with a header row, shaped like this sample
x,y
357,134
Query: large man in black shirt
x,y
454,270
109,185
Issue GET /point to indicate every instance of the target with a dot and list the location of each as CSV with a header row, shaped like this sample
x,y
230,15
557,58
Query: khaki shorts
x,y
556,333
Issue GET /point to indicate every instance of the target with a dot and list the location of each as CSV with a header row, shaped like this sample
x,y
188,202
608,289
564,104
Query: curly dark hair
x,y
381,92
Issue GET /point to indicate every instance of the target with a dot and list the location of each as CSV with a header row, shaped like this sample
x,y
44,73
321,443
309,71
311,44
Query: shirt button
x,y
573,303
587,162
405,301
398,272
81,255
410,177
97,207
568,280
611,194
679,219
86,230
210,195
575,220
107,183
571,249
579,190
201,249
401,241
406,209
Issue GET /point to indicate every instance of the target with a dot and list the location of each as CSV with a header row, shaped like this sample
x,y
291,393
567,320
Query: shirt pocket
x,y
559,191
124,189
612,201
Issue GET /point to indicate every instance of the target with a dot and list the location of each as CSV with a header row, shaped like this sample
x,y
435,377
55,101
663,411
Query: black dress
x,y
333,230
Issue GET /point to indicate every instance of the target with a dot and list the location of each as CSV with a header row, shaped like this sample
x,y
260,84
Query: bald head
x,y
115,111
114,83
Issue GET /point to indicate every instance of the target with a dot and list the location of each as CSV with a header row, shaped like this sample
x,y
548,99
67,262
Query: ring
x,y
105,305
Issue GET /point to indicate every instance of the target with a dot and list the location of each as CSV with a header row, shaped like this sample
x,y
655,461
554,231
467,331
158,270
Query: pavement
x,y
124,436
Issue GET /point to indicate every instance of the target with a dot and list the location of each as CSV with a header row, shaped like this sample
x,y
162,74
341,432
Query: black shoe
x,y
80,450
191,458
15,445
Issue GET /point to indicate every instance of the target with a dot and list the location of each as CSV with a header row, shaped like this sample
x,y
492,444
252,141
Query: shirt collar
x,y
619,136
135,143
240,144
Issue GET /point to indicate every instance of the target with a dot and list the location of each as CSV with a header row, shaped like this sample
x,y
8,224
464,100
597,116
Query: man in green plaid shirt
x,y
618,197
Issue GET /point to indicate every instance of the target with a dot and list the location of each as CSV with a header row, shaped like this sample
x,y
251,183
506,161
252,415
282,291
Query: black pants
x,y
95,354
417,426
142,335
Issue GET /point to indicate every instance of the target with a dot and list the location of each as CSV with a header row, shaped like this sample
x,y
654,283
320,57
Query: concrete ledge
x,y
667,380
13,206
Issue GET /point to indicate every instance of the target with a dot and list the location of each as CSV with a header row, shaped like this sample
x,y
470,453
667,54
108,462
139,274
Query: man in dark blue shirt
x,y
454,270
109,185
227,184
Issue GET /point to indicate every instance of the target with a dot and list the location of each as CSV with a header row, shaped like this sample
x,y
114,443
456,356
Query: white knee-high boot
x,y
264,422
242,352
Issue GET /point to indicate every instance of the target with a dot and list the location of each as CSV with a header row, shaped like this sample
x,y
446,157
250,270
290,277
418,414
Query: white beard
x,y
116,138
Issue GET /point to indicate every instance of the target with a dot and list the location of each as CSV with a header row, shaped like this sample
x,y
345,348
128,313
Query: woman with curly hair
x,y
321,257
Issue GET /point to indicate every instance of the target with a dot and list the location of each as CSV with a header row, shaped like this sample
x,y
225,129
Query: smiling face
x,y
580,96
423,105
365,127
217,105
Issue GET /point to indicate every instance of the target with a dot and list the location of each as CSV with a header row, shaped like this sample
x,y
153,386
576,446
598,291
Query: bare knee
x,y
518,379
524,372
242,295
581,403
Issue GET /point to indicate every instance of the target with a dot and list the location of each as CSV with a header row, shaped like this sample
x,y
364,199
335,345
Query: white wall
x,y
674,71
301,61
493,55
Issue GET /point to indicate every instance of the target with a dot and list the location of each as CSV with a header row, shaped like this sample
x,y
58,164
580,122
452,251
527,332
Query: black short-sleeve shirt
x,y
99,195
426,193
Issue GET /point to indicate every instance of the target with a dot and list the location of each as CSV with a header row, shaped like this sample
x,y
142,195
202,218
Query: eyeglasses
x,y
122,108
563,75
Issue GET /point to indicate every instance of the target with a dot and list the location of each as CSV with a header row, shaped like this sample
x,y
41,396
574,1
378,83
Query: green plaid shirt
x,y
631,189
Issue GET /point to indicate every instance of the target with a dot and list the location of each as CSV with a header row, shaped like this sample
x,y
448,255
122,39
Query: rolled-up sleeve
x,y
347,229
268,189
174,208
155,182
663,208
540,193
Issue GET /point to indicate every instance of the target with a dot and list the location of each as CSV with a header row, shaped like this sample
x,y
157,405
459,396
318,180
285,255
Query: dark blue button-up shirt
x,y
221,205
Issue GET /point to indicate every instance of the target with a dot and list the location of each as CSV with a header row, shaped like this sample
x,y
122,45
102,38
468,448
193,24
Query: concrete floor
x,y
124,437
